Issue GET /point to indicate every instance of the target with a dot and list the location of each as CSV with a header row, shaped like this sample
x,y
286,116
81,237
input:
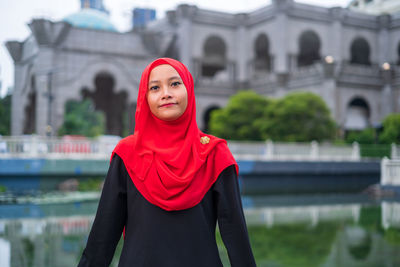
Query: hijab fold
x,y
172,163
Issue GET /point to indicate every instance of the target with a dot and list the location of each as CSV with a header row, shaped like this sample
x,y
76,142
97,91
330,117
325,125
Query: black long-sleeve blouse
x,y
158,238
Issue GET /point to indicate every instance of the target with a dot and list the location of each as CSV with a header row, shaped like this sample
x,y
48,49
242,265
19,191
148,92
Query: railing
x,y
395,154
390,172
390,214
82,147
294,151
64,147
50,225
309,214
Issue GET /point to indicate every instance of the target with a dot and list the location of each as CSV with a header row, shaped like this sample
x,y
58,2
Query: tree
x,y
391,129
81,119
5,115
300,117
366,136
239,119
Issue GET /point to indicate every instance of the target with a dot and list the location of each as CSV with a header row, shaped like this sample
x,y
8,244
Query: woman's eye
x,y
176,83
153,88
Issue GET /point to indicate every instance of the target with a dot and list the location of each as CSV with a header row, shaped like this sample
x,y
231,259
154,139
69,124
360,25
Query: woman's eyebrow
x,y
174,77
154,81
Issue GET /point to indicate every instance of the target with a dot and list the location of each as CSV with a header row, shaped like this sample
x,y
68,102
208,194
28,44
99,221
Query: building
x,y
350,59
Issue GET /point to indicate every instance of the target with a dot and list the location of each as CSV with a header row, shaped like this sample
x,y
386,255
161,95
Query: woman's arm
x,y
110,218
231,221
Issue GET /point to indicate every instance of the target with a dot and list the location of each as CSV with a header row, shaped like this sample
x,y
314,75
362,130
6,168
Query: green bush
x,y
5,115
90,184
3,189
300,117
366,136
391,129
239,119
82,119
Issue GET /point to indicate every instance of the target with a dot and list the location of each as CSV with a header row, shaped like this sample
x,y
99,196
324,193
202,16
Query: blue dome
x,y
92,19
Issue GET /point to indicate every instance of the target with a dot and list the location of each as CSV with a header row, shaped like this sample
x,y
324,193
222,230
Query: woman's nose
x,y
166,93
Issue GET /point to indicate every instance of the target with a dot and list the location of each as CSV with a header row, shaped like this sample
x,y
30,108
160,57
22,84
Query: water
x,y
314,230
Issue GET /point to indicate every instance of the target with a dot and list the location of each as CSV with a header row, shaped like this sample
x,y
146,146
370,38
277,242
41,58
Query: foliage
x,y
5,115
297,117
3,188
81,119
392,235
370,218
362,249
375,150
391,129
300,117
366,136
292,245
239,119
90,185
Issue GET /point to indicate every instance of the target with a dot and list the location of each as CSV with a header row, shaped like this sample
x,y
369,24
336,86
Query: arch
x,y
214,56
207,116
309,47
360,52
262,60
114,105
357,114
123,76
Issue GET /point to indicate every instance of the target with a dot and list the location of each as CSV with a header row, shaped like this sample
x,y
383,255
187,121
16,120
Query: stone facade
x,y
350,59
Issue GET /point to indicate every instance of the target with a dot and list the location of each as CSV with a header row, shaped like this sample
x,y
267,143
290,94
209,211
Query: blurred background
x,y
307,93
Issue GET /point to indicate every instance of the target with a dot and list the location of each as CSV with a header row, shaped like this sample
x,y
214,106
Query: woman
x,y
168,184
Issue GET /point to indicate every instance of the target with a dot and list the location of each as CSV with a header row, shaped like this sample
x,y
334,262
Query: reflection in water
x,y
295,234
49,241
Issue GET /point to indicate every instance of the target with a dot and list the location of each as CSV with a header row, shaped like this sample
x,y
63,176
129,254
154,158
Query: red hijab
x,y
172,163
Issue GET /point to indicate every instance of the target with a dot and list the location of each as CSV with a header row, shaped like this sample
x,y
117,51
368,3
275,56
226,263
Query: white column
x,y
185,15
281,34
242,51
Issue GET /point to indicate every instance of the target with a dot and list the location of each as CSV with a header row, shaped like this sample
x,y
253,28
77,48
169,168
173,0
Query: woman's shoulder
x,y
124,146
126,142
220,145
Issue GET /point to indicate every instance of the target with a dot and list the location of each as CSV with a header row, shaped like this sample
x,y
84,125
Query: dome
x,y
91,19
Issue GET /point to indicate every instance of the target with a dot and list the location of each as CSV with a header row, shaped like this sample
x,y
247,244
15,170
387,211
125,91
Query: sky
x,y
16,14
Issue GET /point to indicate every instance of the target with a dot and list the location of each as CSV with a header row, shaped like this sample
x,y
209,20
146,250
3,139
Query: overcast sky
x,y
15,14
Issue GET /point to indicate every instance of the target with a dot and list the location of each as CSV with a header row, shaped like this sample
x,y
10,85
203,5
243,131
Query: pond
x,y
285,230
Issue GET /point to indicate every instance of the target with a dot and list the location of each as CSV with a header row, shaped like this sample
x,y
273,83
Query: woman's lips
x,y
167,105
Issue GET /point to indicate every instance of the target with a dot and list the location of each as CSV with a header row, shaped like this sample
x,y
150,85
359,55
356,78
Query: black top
x,y
158,238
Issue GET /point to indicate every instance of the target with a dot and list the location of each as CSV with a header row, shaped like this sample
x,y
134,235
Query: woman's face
x,y
166,94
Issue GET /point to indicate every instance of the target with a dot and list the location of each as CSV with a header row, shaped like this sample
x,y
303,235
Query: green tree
x,y
300,117
81,119
391,129
5,115
239,119
366,136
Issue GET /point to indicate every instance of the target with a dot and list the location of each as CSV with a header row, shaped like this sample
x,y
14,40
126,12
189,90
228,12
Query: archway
x,y
309,46
360,52
112,104
30,109
214,56
398,54
262,61
357,115
207,116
